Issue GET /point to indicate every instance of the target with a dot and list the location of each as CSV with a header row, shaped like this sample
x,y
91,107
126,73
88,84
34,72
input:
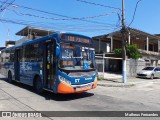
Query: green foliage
x,y
118,51
131,51
99,78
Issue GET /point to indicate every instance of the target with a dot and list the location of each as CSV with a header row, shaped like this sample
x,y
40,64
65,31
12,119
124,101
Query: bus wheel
x,y
38,85
9,77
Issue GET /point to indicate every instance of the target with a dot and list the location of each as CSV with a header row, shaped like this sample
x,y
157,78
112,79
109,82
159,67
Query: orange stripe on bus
x,y
94,84
63,88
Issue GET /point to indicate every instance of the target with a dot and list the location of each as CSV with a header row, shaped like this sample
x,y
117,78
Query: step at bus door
x,y
49,64
17,64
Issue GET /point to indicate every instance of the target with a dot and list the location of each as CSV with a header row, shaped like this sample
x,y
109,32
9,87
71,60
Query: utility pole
x,y
123,31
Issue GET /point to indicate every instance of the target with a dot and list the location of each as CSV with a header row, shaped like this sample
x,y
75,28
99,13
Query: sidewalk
x,y
109,76
114,80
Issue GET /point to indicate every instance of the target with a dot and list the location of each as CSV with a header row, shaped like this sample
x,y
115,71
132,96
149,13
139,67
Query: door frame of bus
x,y
46,82
17,64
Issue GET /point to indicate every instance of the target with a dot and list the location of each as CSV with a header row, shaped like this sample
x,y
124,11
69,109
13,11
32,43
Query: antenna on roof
x,y
8,34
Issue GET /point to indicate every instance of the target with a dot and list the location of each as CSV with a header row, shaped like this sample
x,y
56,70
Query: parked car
x,y
149,72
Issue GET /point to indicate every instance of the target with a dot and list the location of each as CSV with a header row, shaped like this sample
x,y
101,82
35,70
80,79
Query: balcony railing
x,y
149,52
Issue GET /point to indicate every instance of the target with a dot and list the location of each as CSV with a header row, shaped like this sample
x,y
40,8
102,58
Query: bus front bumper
x,y
66,89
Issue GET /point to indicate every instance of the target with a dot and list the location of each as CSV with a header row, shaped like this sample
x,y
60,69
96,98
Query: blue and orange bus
x,y
60,62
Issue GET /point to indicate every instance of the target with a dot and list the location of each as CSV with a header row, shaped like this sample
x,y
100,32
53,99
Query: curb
x,y
111,83
117,85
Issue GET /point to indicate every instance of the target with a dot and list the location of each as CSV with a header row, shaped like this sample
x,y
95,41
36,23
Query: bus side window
x,y
12,56
20,55
39,52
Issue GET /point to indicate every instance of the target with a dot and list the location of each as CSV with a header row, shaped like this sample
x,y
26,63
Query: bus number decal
x,y
77,80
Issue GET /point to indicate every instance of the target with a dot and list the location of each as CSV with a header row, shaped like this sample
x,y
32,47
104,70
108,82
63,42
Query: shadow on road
x,y
66,97
50,95
148,78
4,79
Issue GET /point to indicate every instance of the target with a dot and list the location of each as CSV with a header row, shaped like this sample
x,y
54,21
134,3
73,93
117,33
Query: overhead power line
x,y
85,28
1,7
134,12
28,8
3,4
73,18
7,5
41,11
97,4
58,27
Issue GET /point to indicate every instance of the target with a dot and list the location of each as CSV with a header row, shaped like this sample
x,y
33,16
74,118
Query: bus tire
x,y
38,85
9,77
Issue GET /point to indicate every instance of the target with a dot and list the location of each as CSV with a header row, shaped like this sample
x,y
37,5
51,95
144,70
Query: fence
x,y
113,64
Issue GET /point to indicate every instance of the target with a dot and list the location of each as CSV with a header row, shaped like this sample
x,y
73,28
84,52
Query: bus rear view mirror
x,y
57,50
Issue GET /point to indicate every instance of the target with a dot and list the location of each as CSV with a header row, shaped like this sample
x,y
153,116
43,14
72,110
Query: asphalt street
x,y
140,97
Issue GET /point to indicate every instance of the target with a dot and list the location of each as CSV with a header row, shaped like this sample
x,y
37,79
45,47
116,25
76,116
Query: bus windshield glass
x,y
76,57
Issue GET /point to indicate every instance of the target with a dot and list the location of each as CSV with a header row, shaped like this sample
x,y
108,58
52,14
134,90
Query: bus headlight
x,y
64,80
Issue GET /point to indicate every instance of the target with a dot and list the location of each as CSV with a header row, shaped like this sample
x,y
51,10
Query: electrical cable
x,y
3,4
97,4
73,18
26,23
29,8
8,4
100,27
134,12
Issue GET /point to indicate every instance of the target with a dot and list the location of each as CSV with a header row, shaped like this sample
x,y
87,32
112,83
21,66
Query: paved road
x,y
17,97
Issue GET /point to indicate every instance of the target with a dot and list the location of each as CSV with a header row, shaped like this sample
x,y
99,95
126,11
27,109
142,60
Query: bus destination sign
x,y
73,38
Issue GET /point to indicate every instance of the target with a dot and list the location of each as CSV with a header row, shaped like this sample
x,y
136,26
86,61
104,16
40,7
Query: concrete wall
x,y
133,66
99,64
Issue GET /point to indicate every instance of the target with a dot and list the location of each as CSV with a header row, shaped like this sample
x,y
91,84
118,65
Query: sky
x,y
86,17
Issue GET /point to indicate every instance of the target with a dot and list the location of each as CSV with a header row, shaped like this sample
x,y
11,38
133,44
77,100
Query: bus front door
x,y
49,64
17,64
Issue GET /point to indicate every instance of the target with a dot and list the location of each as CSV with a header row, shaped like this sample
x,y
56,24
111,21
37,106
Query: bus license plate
x,y
83,87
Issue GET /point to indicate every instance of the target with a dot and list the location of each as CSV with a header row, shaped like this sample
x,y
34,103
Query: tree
x,y
131,51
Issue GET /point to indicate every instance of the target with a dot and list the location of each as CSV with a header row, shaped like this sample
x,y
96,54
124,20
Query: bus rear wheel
x,y
9,77
38,85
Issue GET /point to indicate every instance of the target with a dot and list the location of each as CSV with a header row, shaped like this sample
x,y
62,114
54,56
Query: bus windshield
x,y
76,57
